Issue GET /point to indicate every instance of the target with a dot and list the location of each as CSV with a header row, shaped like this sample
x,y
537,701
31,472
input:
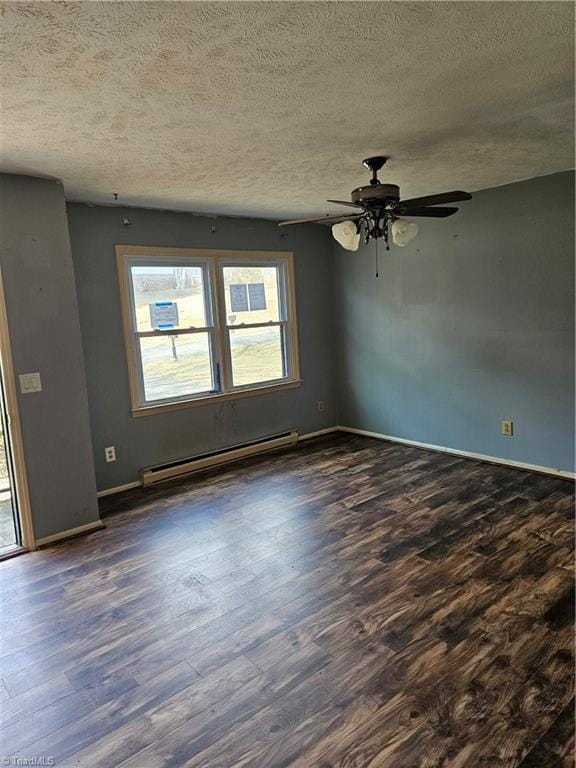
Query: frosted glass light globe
x,y
403,231
345,233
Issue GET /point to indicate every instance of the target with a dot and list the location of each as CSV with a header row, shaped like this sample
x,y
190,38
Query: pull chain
x,y
376,241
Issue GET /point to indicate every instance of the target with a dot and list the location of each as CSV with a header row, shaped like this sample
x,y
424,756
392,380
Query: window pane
x,y
168,297
176,366
257,355
252,294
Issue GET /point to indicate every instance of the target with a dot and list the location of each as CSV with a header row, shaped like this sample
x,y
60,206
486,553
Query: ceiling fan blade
x,y
433,213
320,218
440,199
344,202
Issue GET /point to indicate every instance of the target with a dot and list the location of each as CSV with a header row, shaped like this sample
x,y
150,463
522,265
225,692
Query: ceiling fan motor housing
x,y
377,193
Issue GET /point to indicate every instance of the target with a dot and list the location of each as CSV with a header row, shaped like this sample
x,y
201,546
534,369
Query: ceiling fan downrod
x,y
374,164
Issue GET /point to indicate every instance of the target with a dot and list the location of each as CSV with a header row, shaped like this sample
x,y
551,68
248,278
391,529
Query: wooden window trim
x,y
215,258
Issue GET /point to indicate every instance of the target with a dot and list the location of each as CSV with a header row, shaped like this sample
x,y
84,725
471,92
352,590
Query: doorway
x,y
16,530
10,532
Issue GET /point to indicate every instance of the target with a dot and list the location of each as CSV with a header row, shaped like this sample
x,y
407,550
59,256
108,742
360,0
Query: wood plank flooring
x,y
347,602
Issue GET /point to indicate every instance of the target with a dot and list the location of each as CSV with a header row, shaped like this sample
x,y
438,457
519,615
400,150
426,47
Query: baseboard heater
x,y
235,452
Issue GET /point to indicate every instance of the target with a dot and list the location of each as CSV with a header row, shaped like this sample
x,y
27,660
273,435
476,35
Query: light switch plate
x,y
30,382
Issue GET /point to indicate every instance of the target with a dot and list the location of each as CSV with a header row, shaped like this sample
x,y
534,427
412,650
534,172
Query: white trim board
x,y
118,489
465,454
88,528
320,432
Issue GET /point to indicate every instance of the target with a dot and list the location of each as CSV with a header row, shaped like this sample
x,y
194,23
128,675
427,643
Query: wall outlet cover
x,y
507,428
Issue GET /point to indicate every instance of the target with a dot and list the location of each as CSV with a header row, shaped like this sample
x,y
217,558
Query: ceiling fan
x,y
380,211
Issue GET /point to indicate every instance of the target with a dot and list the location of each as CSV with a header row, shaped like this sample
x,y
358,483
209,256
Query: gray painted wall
x,y
45,336
471,323
150,440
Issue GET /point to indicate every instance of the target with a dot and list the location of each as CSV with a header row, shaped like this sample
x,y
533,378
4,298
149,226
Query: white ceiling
x,y
268,108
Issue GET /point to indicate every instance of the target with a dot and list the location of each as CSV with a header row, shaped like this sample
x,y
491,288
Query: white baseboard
x,y
119,489
319,432
465,454
95,526
392,439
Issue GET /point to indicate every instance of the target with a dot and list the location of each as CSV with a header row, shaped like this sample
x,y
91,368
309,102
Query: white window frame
x,y
213,263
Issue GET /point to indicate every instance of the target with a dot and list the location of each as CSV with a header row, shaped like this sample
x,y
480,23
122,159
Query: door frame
x,y
23,508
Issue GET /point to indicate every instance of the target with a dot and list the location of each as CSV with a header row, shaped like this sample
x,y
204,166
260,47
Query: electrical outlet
x,y
110,454
320,405
507,428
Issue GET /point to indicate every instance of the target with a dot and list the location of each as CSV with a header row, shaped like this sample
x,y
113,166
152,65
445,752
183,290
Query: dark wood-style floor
x,y
345,603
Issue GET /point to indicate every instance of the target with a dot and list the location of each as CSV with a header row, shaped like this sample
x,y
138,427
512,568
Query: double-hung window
x,y
206,325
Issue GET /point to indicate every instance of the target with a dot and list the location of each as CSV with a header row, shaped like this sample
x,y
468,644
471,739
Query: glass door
x,y
10,535
16,529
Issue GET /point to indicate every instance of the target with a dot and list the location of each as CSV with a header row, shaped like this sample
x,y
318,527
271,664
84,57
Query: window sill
x,y
149,410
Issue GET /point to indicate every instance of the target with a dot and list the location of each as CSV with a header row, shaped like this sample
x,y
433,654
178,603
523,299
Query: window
x,y
205,325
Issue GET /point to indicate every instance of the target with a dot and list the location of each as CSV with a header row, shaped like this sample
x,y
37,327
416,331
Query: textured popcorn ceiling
x,y
268,108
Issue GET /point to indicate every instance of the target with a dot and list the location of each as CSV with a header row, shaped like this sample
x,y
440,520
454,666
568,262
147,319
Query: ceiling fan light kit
x,y
380,212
